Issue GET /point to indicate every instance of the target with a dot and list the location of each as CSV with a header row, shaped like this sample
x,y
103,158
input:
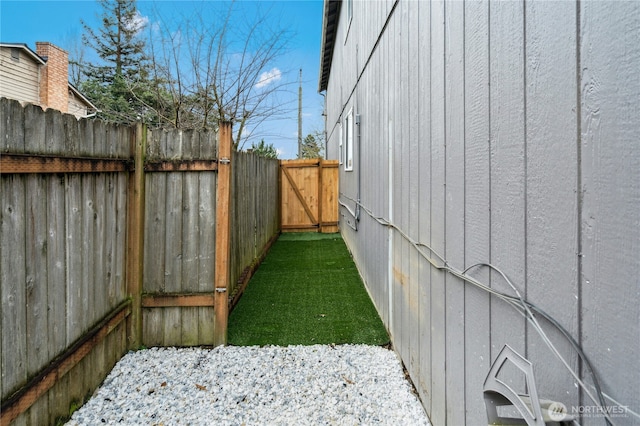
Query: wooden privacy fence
x,y
112,237
309,195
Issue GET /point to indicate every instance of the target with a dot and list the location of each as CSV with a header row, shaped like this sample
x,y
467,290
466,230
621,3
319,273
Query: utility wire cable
x,y
524,307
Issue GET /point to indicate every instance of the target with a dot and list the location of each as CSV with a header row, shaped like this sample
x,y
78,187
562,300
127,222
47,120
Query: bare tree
x,y
221,69
77,56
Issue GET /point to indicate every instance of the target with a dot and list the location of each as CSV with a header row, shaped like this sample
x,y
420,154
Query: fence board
x,y
119,275
36,298
154,242
36,266
191,238
12,116
13,275
173,240
93,238
111,240
329,197
36,274
56,270
67,233
206,243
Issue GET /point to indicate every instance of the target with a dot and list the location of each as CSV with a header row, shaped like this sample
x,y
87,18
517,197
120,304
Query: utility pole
x,y
300,117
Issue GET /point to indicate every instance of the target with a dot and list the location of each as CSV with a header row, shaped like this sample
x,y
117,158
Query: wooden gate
x,y
309,195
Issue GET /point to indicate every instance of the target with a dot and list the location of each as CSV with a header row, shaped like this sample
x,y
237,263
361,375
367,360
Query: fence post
x,y
135,235
320,193
279,196
223,213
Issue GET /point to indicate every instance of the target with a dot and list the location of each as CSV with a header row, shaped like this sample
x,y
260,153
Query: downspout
x,y
390,254
357,215
324,116
359,145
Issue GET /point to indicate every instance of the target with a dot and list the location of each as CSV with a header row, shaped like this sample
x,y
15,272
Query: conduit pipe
x,y
524,307
359,145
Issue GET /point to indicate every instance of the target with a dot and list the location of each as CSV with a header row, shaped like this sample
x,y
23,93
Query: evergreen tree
x,y
311,146
264,150
119,84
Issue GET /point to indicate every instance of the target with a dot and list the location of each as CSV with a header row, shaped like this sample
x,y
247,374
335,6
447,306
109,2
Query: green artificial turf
x,y
307,291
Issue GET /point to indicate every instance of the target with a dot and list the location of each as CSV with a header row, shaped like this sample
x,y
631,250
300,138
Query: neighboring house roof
x,y
26,49
329,30
43,61
83,98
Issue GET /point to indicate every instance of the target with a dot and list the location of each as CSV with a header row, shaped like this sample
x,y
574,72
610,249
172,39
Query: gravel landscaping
x,y
232,385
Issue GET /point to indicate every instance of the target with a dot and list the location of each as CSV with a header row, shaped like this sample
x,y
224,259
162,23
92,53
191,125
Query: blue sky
x,y
58,22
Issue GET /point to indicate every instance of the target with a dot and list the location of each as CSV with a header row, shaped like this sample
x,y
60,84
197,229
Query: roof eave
x,y
82,97
329,29
26,48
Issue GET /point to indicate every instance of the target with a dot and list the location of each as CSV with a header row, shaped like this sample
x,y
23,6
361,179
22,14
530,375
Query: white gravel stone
x,y
301,385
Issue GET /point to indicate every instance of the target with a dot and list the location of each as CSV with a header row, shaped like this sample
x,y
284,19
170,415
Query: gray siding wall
x,y
19,79
504,133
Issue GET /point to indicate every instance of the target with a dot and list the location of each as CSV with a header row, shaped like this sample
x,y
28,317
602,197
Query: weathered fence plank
x,y
13,275
36,274
79,240
173,240
134,206
206,243
154,242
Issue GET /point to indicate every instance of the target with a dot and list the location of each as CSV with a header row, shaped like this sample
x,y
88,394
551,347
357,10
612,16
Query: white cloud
x,y
137,22
268,77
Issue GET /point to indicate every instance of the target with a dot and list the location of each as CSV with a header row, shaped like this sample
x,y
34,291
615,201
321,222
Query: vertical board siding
x,y
551,133
437,307
454,212
609,120
477,207
502,133
508,191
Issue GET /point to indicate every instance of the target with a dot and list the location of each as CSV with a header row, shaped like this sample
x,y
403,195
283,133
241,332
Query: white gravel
x,y
301,385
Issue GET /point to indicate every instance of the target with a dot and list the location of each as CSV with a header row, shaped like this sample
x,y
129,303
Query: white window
x,y
348,141
349,18
340,151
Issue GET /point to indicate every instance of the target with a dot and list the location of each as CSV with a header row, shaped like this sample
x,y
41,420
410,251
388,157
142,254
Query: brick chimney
x,y
54,77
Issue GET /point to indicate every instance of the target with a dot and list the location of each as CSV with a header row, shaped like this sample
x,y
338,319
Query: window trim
x,y
349,19
348,141
340,152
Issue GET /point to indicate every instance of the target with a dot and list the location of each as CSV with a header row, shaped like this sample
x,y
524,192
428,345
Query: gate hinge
x,y
224,160
221,289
